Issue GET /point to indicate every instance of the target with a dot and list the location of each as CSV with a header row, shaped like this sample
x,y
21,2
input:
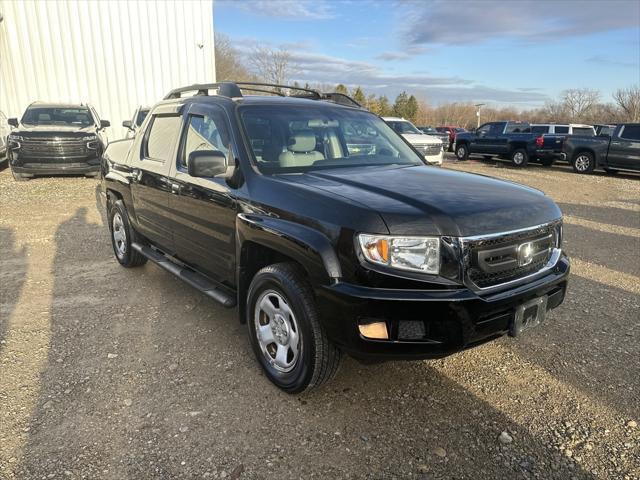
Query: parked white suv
x,y
430,147
563,129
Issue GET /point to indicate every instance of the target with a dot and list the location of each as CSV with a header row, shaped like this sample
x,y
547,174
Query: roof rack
x,y
234,90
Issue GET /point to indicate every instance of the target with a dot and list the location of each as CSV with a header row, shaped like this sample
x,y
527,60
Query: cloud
x,y
602,60
472,22
285,9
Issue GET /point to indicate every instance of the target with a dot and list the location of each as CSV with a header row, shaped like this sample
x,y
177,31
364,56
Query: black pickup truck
x,y
56,138
259,202
509,140
619,151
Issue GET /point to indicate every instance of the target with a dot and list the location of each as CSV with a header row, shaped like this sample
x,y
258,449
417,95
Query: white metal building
x,y
114,54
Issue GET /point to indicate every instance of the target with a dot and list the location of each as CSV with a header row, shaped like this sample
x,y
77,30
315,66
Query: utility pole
x,y
478,106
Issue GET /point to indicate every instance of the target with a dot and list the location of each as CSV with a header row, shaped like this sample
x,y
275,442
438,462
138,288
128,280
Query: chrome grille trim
x,y
53,147
507,239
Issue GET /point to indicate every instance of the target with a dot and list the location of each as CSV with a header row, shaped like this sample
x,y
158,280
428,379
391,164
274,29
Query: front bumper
x,y
434,159
449,320
53,166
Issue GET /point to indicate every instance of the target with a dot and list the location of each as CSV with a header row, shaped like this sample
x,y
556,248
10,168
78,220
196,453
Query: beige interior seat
x,y
301,150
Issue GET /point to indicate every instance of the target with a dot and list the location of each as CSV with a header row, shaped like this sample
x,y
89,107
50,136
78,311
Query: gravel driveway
x,y
113,373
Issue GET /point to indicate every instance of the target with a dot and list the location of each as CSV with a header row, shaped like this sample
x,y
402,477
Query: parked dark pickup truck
x,y
510,140
56,138
258,202
620,151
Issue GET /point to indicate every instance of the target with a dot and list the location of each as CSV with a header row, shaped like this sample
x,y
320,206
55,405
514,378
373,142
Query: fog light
x,y
377,330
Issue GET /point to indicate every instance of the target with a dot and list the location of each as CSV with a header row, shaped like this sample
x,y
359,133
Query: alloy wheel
x,y
119,235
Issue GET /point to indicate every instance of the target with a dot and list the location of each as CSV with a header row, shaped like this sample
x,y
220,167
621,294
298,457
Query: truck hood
x,y
416,139
54,130
422,200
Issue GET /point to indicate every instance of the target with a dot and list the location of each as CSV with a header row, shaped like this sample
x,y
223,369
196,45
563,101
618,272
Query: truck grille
x,y
54,148
499,259
430,149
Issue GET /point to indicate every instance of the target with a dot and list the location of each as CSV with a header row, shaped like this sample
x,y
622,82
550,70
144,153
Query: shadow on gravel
x,y
13,273
146,378
591,343
605,215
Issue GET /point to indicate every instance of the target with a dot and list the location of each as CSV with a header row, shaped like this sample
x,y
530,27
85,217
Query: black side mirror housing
x,y
207,163
105,123
13,122
127,124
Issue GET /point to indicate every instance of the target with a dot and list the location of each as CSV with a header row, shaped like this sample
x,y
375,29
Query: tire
x,y
547,162
462,152
122,234
283,290
583,162
519,158
21,177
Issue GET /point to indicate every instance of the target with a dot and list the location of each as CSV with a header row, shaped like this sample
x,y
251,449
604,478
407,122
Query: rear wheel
x,y
462,152
123,235
20,177
519,157
284,331
583,162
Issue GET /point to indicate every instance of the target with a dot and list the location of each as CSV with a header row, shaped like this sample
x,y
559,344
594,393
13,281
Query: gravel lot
x,y
130,374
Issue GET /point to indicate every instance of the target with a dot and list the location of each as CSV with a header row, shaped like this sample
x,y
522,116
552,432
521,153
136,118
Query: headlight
x,y
89,138
416,254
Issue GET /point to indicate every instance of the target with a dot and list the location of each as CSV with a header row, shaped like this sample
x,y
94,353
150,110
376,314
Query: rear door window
x,y
161,137
540,129
631,132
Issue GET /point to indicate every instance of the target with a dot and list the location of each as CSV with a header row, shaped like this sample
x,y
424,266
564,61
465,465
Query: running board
x,y
210,289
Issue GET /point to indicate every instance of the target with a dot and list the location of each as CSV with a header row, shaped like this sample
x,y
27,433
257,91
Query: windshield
x,y
301,139
403,127
142,114
77,117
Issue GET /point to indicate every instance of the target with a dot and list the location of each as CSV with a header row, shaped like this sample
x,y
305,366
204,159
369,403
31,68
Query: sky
x,y
518,52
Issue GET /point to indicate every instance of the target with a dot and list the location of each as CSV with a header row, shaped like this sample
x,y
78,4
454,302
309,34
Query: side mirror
x,y
207,163
127,124
105,123
13,122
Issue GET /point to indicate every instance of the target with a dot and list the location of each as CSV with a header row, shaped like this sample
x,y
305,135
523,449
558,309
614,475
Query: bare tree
x,y
579,101
272,65
628,99
228,65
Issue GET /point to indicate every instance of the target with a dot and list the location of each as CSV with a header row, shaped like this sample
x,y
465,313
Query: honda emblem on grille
x,y
525,254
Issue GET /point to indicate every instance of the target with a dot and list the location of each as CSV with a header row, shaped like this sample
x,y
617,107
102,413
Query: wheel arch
x,y
263,240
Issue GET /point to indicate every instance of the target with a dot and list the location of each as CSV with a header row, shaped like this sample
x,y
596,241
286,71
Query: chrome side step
x,y
212,290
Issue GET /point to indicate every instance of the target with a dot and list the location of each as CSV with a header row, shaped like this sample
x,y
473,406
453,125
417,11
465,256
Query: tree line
x,y
580,105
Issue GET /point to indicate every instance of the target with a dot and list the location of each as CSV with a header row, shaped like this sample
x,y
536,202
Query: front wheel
x,y
519,157
284,330
462,152
583,163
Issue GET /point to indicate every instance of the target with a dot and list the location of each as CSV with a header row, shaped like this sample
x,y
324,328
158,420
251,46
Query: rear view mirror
x,y
13,122
207,163
105,123
127,124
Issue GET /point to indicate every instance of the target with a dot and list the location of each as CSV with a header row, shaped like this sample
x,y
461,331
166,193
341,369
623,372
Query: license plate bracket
x,y
528,315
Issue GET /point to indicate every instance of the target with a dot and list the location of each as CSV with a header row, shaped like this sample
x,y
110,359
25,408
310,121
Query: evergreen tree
x,y
400,107
384,109
340,88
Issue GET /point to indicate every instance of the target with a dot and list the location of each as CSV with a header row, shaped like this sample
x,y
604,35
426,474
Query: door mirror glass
x,y
13,122
127,124
105,123
206,163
